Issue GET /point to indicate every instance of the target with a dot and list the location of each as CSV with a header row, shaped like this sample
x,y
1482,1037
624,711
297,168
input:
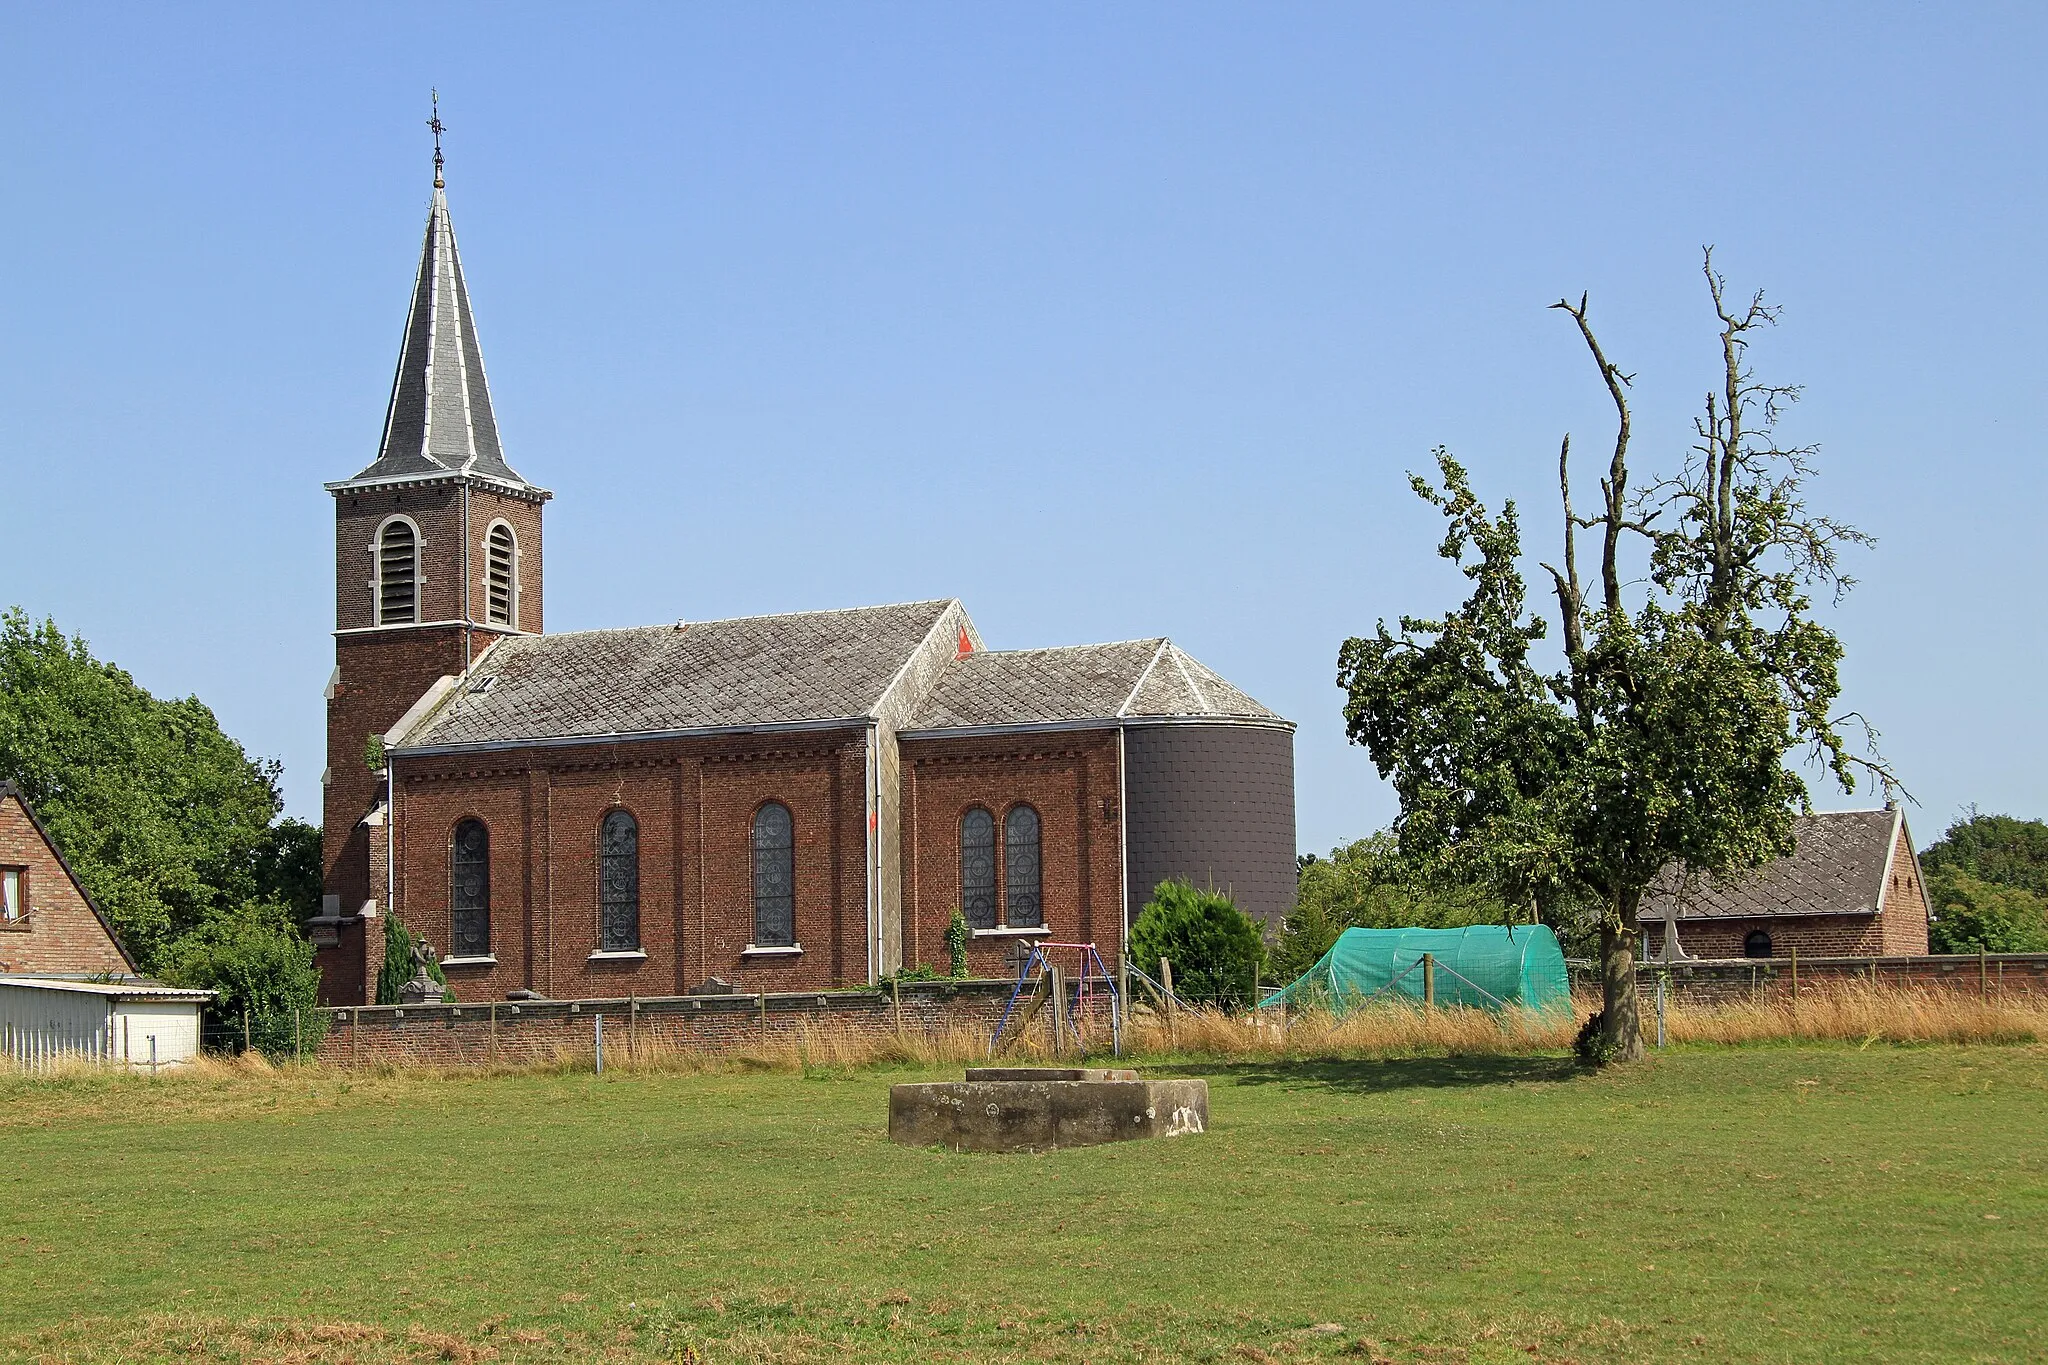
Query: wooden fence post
x,y
1429,979
494,1035
896,993
1795,973
1983,975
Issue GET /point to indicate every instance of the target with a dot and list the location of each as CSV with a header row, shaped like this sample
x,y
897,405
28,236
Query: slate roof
x,y
1132,680
747,672
1837,869
440,420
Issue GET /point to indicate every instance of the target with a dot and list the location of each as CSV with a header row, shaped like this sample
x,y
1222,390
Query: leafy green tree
x,y
1972,915
260,965
1993,848
1689,668
165,819
1367,885
1215,948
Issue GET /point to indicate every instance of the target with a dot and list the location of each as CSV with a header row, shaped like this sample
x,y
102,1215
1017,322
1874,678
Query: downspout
x,y
390,834
874,862
1123,859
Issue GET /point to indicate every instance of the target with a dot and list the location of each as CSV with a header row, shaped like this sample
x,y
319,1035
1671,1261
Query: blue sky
x,y
1111,320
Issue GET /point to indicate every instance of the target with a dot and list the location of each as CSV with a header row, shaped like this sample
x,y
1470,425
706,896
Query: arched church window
x,y
470,920
774,877
501,576
1757,944
618,883
398,552
978,868
1022,906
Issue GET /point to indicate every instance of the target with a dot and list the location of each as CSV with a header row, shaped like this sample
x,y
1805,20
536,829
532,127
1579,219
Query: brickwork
x,y
1900,930
436,509
1071,780
511,1033
695,801
58,931
1707,982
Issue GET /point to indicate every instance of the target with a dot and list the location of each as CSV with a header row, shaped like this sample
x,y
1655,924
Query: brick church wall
x,y
1071,779
59,932
695,801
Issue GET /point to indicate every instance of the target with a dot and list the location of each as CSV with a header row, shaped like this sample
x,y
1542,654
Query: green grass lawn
x,y
1769,1203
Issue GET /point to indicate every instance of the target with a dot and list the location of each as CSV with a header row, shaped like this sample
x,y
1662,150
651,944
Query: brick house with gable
x,y
778,802
49,926
1851,888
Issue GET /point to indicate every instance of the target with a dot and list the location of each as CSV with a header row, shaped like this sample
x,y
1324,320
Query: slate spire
x,y
440,419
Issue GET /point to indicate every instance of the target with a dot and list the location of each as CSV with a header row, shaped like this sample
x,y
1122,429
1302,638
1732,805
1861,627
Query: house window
x,y
13,894
501,576
978,868
470,921
1022,907
774,877
1758,944
398,547
618,883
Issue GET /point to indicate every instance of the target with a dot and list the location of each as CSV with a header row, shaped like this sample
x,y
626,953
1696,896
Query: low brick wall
x,y
520,1031
1720,979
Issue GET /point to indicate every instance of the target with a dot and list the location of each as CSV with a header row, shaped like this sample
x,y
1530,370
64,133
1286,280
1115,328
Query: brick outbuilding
x,y
774,802
1851,888
49,926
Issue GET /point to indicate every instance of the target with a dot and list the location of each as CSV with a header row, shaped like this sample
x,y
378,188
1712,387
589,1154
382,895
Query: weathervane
x,y
436,124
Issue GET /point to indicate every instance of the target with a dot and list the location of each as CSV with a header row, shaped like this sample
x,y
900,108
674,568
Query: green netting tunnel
x,y
1489,966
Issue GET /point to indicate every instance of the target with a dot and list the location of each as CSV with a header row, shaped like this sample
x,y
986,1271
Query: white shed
x,y
141,1024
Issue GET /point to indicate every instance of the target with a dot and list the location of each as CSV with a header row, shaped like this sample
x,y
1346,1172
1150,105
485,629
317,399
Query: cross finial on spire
x,y
439,128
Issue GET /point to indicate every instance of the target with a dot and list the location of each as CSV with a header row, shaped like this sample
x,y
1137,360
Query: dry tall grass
x,y
1838,1011
1861,1012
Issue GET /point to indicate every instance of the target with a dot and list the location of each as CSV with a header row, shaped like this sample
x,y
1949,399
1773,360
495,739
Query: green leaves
x,y
1215,948
165,819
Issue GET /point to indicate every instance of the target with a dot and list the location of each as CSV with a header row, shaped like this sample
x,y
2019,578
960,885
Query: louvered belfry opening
x,y
397,575
501,577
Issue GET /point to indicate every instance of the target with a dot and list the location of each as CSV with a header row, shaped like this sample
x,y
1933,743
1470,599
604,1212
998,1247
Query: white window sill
x,y
1005,931
619,955
793,950
486,961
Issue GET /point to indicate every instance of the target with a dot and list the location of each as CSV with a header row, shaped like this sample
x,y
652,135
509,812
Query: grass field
x,y
1758,1203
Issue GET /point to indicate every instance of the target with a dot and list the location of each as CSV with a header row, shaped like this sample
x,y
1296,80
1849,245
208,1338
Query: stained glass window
x,y
618,883
774,877
1022,906
470,925
978,868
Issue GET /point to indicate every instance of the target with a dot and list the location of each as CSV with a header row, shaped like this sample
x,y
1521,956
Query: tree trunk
x,y
1621,1028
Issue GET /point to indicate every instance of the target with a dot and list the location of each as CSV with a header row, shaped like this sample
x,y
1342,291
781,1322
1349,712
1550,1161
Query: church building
x,y
789,802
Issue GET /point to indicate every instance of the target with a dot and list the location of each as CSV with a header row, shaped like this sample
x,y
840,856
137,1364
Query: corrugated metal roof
x,y
127,990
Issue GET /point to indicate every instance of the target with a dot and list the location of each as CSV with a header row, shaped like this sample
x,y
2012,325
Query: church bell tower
x,y
437,554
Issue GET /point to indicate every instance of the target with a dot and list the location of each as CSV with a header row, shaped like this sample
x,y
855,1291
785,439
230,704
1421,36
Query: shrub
x,y
261,969
1215,948
957,936
1971,915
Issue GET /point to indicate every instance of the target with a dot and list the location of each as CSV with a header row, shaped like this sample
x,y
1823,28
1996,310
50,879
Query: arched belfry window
x,y
398,555
501,576
618,883
1757,944
470,920
1022,905
978,868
